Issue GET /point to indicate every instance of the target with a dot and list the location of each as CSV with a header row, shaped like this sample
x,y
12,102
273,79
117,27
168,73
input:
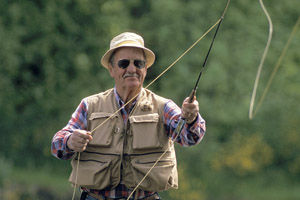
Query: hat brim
x,y
150,56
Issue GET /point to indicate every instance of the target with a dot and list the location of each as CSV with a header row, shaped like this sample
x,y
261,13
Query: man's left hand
x,y
189,111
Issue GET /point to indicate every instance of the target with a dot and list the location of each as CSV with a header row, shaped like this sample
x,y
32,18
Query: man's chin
x,y
133,85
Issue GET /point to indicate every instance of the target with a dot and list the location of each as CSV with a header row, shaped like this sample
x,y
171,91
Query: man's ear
x,y
110,69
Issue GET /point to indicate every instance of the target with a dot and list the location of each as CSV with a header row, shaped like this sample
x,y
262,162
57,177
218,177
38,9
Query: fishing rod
x,y
182,121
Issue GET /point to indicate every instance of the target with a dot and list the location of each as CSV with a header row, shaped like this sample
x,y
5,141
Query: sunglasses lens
x,y
123,63
139,63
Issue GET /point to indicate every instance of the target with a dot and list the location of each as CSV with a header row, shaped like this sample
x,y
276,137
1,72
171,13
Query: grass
x,y
42,178
280,191
36,184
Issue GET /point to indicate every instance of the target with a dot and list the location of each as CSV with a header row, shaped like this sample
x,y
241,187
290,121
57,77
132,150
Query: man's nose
x,y
131,67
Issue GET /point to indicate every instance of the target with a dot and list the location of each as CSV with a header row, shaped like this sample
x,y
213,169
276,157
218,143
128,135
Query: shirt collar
x,y
121,102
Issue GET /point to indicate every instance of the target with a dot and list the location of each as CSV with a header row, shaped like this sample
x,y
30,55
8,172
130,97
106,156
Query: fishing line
x,y
262,59
282,55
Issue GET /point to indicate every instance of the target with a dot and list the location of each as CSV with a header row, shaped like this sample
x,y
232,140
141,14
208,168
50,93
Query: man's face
x,y
131,77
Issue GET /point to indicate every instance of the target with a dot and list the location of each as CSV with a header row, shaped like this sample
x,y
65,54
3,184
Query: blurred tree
x,y
50,59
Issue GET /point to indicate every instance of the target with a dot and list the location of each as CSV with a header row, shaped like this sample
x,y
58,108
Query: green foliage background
x,y
50,59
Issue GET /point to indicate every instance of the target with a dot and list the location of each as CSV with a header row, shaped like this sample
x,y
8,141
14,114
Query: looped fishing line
x,y
295,29
262,59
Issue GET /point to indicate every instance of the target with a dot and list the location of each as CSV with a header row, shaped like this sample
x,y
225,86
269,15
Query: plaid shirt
x,y
191,134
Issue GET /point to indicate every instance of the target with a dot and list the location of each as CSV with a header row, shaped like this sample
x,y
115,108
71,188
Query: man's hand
x,y
189,111
79,140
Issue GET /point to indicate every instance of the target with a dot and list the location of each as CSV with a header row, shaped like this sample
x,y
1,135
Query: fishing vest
x,y
124,153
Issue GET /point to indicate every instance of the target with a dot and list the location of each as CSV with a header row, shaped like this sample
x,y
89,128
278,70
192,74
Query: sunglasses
x,y
124,63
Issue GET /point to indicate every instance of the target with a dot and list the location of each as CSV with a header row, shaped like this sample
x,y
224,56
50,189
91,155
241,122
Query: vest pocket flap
x,y
144,118
152,161
98,115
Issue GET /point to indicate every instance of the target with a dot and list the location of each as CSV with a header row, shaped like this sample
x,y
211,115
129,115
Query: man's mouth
x,y
130,75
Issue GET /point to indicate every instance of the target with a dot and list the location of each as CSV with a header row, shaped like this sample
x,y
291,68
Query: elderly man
x,y
123,131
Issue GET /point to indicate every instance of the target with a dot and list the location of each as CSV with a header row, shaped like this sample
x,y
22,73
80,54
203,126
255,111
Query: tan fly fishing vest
x,y
122,153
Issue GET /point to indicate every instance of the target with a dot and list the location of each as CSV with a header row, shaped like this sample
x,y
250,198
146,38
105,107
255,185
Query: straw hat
x,y
128,39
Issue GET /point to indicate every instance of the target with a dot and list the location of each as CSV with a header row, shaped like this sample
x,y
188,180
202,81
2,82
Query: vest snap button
x,y
117,129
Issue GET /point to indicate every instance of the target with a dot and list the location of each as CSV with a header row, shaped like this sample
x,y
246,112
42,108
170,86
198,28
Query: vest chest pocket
x,y
103,134
144,129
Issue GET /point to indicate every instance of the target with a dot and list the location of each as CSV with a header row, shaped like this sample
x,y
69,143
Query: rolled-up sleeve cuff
x,y
192,127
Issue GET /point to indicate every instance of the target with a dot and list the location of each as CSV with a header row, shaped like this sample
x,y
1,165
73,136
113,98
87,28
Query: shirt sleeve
x,y
191,134
78,120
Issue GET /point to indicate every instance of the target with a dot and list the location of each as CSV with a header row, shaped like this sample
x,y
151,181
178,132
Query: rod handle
x,y
191,97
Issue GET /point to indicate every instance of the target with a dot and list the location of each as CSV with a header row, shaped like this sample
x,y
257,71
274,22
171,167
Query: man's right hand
x,y
79,140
